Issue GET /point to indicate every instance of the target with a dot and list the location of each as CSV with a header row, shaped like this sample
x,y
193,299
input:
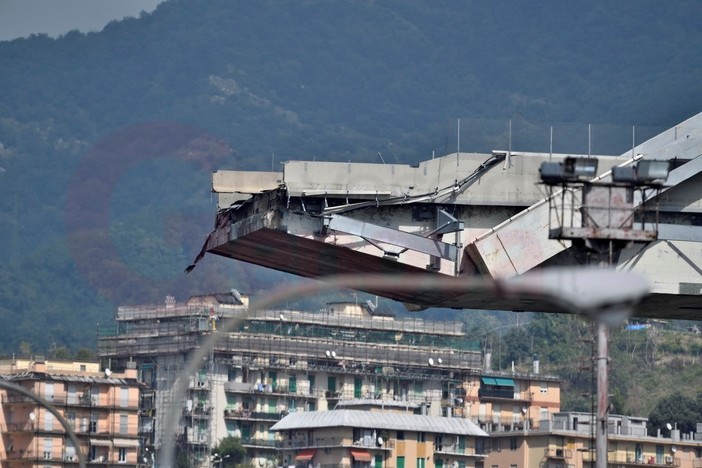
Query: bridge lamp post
x,y
601,216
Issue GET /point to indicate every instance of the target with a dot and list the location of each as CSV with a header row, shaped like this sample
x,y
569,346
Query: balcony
x,y
507,424
259,443
333,442
252,388
251,415
453,449
628,459
496,393
558,453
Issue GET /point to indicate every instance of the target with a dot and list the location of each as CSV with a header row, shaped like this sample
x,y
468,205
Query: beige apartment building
x,y
378,439
101,407
567,441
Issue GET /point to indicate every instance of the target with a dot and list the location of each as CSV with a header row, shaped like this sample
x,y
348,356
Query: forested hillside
x,y
107,140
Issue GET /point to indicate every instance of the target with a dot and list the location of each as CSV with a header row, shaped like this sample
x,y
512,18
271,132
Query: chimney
x,y
488,360
536,363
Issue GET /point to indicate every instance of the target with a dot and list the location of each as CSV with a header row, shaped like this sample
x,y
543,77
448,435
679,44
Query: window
x,y
82,367
544,414
544,388
400,462
48,448
123,423
122,455
438,443
421,462
400,435
496,445
124,396
513,443
48,421
93,422
49,391
421,436
480,446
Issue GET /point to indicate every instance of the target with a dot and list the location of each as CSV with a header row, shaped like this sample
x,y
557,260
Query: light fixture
x,y
645,172
652,171
570,170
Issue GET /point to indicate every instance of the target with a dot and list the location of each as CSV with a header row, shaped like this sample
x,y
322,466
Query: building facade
x,y
567,441
381,439
102,408
280,362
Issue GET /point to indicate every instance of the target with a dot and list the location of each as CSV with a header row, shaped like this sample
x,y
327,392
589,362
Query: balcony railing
x,y
241,387
74,400
454,449
247,414
332,442
486,393
630,459
265,443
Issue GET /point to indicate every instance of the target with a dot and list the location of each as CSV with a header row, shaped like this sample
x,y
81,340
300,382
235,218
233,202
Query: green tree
x,y
230,452
677,409
84,354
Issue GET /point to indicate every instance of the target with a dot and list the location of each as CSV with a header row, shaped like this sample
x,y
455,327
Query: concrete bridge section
x,y
463,214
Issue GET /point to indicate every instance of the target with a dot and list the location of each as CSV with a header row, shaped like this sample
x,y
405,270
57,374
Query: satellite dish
x,y
431,361
669,426
370,305
524,409
282,317
380,441
439,360
328,353
673,449
333,354
108,372
32,416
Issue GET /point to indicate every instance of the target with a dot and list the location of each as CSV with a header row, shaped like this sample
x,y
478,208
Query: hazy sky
x,y
20,18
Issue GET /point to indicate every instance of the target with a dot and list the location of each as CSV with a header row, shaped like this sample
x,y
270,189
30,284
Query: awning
x,y
101,442
305,455
488,381
504,382
126,442
361,455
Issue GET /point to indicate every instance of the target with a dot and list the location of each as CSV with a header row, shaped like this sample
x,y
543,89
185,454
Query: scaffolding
x,y
376,358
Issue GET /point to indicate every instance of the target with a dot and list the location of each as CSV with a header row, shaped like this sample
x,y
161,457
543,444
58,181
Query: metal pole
x,y
602,395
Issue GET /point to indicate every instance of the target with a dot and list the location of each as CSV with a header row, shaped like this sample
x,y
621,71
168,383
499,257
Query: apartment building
x,y
381,439
101,407
568,441
280,362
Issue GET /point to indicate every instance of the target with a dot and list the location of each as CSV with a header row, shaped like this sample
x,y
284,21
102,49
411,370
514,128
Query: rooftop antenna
x,y
550,145
508,161
589,139
633,140
458,140
381,157
272,162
